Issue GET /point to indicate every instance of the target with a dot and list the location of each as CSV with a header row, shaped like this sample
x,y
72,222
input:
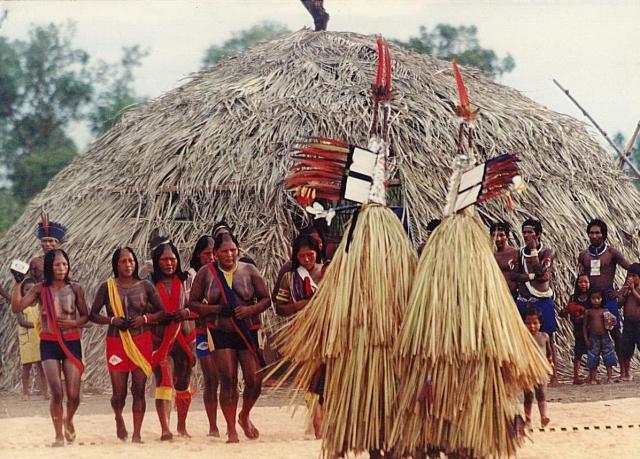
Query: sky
x,y
590,47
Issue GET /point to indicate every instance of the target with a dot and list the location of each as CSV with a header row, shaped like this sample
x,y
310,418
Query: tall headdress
x,y
48,228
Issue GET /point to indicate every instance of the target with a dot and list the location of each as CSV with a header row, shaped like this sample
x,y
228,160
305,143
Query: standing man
x,y
505,253
532,271
599,262
51,235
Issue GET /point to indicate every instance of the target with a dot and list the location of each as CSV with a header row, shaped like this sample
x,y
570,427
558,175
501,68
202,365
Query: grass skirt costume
x,y
461,331
351,323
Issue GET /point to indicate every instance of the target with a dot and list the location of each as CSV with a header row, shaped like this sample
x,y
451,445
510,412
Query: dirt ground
x,y
586,422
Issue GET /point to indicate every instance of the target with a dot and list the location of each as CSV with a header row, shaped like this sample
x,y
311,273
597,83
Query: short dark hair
x,y
155,256
634,269
25,281
533,311
303,240
500,226
535,224
308,231
48,266
592,292
602,225
116,257
202,244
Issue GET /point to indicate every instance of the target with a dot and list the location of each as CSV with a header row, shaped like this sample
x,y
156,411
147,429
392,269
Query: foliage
x,y
118,94
47,86
447,41
10,209
243,40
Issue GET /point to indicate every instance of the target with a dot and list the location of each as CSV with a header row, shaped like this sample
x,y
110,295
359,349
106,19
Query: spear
x,y
621,155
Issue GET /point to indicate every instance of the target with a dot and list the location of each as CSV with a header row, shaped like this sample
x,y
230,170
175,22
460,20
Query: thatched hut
x,y
217,148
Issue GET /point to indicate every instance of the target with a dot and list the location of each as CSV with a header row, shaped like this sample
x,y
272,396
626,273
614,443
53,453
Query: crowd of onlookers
x,y
594,307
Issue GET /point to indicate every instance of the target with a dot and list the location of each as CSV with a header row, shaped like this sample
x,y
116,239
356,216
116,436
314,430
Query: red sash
x,y
46,298
171,331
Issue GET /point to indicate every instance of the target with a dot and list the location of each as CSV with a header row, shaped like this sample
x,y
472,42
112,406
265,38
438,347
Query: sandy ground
x,y
606,425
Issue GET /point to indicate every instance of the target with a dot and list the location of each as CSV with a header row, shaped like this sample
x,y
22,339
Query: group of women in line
x,y
157,325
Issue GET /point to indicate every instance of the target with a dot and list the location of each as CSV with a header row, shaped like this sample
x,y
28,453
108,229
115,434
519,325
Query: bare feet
x,y
578,381
58,442
544,422
232,437
213,432
136,439
25,397
121,429
166,436
608,381
183,433
554,382
249,429
69,431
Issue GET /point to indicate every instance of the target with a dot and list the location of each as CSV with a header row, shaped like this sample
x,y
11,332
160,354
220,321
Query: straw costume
x,y
351,322
462,337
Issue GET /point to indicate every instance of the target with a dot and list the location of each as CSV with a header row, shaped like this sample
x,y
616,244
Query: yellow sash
x,y
130,347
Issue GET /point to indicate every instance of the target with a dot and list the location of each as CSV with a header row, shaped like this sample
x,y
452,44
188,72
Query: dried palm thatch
x,y
216,147
462,331
350,325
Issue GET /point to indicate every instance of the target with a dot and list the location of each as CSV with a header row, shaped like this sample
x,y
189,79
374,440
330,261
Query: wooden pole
x,y
629,148
621,155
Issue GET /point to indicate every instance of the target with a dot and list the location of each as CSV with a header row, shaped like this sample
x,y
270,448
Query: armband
x,y
111,320
146,321
532,276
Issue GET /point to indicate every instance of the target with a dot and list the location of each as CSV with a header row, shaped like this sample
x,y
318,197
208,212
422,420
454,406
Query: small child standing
x,y
596,326
575,311
629,297
533,322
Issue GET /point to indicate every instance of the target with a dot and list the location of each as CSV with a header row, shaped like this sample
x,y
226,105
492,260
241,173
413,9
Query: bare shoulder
x,y
248,268
76,287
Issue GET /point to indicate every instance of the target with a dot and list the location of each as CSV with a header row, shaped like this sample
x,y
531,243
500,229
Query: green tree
x,y
447,41
44,85
47,85
118,93
245,39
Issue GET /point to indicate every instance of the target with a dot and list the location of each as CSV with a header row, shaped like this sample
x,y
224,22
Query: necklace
x,y
597,251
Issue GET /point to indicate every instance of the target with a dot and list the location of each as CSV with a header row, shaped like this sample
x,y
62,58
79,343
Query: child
x,y
575,311
533,321
629,298
29,342
597,338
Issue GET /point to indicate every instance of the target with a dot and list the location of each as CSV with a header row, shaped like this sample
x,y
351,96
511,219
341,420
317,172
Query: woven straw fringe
x,y
351,325
463,330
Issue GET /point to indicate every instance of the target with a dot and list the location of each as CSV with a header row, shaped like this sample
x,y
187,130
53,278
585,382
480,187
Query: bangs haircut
x,y
116,257
48,266
535,224
304,240
201,245
500,226
155,257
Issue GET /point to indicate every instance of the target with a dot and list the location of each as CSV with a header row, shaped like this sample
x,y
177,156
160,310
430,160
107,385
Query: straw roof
x,y
217,148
